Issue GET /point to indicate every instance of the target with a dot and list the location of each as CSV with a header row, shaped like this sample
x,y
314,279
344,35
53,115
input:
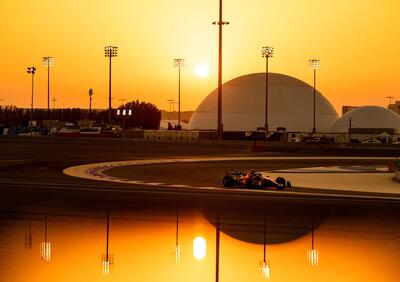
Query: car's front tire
x,y
227,181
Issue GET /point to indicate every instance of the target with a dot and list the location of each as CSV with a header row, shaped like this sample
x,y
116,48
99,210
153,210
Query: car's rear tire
x,y
227,181
288,184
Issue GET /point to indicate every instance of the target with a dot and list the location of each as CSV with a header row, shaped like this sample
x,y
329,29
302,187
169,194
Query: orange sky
x,y
357,43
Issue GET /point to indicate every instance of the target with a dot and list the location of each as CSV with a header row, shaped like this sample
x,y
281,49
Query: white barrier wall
x,y
171,135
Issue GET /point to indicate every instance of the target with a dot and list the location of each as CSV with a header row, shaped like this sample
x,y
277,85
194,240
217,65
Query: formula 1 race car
x,y
253,179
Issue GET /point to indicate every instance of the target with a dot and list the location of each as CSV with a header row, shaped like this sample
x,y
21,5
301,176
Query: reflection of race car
x,y
253,179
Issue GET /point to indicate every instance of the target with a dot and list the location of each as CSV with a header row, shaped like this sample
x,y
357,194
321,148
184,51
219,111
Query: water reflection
x,y
107,259
363,247
28,237
45,246
313,255
178,248
264,267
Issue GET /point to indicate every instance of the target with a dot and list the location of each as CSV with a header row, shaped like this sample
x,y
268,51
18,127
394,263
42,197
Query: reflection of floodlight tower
x,y
28,237
48,62
266,52
315,65
178,248
110,52
45,247
32,70
264,266
217,245
312,255
220,23
107,259
178,63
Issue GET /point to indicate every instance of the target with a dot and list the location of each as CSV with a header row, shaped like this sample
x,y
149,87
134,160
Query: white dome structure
x,y
290,105
367,117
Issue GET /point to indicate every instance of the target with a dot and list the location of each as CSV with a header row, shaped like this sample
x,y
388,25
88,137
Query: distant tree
x,y
144,115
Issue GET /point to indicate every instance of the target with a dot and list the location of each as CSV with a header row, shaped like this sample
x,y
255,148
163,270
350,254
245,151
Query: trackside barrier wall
x,y
148,134
174,135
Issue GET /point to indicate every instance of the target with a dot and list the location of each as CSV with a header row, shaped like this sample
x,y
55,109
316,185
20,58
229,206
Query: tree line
x,y
144,115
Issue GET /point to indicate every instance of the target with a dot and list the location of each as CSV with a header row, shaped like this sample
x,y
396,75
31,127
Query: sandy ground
x,y
371,179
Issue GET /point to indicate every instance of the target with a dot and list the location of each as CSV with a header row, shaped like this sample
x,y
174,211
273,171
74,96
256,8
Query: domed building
x,y
290,105
368,118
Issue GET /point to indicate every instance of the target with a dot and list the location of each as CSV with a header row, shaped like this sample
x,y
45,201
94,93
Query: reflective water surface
x,y
170,244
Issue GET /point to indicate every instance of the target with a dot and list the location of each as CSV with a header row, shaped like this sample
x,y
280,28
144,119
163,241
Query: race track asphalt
x,y
31,175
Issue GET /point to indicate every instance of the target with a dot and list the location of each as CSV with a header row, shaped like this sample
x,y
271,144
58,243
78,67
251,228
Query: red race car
x,y
253,179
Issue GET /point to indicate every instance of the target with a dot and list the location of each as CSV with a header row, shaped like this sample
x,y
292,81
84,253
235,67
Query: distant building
x,y
369,122
395,107
290,105
346,109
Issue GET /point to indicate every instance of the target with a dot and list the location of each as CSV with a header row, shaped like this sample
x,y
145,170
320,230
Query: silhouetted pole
x,y
179,63
90,101
32,70
266,52
48,62
220,24
110,52
315,65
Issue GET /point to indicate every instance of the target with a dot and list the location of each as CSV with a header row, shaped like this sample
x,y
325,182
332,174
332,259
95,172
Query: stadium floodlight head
x,y
48,61
315,64
267,52
220,23
111,51
179,62
31,70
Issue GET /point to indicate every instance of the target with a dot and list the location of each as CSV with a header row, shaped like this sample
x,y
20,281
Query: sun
x,y
202,70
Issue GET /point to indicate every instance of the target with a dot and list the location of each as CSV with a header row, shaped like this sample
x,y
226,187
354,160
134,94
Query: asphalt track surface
x,y
31,175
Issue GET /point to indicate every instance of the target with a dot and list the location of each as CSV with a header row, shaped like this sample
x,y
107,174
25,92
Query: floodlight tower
x,y
32,70
48,62
314,65
220,24
178,63
90,101
266,52
110,52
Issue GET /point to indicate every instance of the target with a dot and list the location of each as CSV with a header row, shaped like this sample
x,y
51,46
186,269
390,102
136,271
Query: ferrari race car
x,y
253,179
